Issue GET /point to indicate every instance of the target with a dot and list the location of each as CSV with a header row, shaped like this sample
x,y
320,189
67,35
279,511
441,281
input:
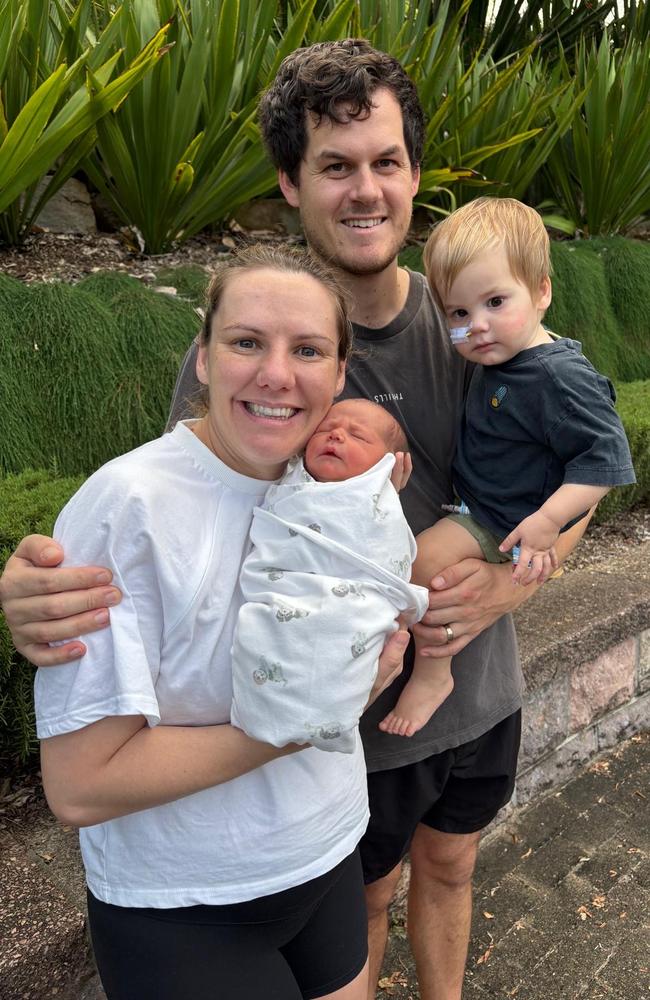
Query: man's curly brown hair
x,y
336,81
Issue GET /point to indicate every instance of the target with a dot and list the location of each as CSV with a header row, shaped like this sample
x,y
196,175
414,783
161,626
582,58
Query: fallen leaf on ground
x,y
527,854
488,916
396,978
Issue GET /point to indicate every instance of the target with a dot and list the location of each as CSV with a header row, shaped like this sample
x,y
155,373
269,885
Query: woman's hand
x,y
402,470
390,663
43,604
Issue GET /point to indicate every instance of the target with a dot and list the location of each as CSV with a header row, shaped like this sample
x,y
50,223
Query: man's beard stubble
x,y
341,263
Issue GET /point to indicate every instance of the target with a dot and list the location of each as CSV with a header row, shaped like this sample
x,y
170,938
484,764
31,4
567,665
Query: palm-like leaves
x,y
47,110
600,171
184,151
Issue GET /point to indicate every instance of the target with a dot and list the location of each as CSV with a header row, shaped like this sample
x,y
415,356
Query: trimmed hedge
x,y
190,281
88,370
601,297
633,405
29,503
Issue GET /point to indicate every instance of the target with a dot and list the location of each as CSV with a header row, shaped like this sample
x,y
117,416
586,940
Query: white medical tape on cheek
x,y
459,334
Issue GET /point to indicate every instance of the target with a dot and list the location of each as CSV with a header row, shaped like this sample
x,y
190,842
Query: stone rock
x,y
269,214
644,662
596,688
544,721
68,211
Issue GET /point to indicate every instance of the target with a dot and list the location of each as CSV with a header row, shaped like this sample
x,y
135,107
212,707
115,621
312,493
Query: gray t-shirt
x,y
410,367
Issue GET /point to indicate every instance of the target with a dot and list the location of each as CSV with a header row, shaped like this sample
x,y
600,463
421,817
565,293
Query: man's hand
x,y
466,598
390,663
43,604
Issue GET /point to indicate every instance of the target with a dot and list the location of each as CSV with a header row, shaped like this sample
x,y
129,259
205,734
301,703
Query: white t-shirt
x,y
172,521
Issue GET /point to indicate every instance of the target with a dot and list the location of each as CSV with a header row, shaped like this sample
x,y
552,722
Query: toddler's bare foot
x,y
416,704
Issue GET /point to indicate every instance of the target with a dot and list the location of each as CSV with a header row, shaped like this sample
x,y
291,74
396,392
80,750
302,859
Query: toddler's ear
x,y
545,294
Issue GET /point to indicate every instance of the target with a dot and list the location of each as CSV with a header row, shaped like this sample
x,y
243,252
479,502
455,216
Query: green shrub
x,y
56,82
190,282
633,405
156,330
29,502
599,170
67,353
627,266
581,308
88,370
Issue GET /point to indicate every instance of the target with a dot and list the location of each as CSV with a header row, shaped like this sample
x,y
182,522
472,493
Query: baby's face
x,y
349,441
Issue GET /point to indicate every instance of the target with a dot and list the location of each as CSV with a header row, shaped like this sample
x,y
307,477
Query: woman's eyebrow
x,y
242,326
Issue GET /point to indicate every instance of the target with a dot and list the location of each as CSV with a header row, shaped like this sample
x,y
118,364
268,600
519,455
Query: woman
x,y
217,866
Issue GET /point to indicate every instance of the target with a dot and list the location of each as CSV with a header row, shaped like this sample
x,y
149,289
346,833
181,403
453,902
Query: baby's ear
x,y
545,294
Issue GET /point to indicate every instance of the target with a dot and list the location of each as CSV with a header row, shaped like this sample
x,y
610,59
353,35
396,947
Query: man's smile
x,y
363,223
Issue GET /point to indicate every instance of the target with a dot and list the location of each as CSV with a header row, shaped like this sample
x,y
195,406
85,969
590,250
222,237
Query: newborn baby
x,y
327,576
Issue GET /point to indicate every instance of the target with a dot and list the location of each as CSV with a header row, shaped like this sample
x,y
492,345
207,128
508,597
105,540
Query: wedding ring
x,y
450,633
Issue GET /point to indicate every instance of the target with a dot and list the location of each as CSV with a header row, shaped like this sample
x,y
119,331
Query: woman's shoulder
x,y
136,491
134,473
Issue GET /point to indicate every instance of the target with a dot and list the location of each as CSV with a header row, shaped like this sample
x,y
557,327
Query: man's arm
x,y
471,595
44,604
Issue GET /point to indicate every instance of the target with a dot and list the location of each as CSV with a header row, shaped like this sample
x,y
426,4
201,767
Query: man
x,y
344,127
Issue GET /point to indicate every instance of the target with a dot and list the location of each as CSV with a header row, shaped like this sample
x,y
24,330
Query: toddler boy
x,y
540,442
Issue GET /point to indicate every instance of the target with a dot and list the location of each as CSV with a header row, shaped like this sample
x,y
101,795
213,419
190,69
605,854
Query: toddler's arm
x,y
537,534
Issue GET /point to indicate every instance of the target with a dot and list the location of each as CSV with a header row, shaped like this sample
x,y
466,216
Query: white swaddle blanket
x,y
326,577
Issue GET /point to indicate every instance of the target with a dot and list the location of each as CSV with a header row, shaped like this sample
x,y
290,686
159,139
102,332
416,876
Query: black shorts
x,y
305,942
456,791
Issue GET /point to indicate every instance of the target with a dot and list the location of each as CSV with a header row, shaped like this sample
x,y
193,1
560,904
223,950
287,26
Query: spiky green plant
x,y
600,171
501,120
509,26
184,150
47,109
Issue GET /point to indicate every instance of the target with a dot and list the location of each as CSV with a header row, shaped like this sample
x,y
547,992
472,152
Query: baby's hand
x,y
535,537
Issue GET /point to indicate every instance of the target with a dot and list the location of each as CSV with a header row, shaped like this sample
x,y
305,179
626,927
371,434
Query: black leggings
x,y
299,944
